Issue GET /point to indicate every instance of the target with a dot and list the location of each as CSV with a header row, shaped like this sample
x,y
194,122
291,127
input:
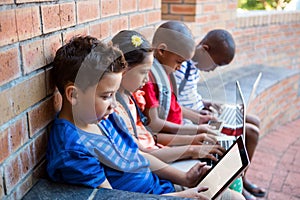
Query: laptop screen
x,y
240,112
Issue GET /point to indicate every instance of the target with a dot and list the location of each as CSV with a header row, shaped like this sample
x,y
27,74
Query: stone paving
x,y
276,163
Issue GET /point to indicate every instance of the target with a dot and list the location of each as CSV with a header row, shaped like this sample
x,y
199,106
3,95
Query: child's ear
x,y
205,46
71,94
161,49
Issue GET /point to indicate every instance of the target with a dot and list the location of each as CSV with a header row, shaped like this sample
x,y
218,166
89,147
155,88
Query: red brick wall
x,y
277,105
32,30
264,37
30,33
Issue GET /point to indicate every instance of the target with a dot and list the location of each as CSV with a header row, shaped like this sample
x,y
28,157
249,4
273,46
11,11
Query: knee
x,y
253,119
252,132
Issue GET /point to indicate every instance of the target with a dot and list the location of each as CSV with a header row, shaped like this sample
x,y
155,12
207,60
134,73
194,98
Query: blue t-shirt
x,y
78,157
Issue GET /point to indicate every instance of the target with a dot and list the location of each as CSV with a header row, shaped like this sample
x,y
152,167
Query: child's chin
x,y
104,117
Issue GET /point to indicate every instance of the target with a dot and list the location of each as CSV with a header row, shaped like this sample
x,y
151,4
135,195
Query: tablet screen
x,y
224,172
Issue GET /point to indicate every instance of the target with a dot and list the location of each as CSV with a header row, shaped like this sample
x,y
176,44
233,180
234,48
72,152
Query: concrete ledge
x,y
45,189
276,100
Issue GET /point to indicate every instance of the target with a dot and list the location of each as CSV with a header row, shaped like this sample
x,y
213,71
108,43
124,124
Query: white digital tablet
x,y
226,170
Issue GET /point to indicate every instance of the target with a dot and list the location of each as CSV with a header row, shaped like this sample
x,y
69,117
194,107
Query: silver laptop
x,y
232,115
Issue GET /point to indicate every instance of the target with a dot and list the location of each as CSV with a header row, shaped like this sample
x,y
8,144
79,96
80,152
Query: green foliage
x,y
262,4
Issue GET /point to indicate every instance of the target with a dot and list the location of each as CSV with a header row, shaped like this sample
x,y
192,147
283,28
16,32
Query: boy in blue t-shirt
x,y
89,144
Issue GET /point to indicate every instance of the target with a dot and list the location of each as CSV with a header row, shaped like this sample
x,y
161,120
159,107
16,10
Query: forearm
x,y
165,171
191,115
195,116
159,125
172,154
174,139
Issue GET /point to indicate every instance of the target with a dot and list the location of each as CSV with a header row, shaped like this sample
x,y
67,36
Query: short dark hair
x,y
220,41
177,36
134,53
86,58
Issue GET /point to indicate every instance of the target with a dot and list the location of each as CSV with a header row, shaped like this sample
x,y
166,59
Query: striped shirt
x,y
78,157
189,96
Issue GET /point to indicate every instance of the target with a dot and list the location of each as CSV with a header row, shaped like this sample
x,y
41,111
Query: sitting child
x,y
162,108
217,48
89,144
139,55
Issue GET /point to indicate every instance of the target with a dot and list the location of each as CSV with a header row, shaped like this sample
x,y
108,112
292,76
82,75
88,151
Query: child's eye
x,y
179,61
105,97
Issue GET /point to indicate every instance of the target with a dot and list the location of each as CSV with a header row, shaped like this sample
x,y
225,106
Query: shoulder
x,y
63,135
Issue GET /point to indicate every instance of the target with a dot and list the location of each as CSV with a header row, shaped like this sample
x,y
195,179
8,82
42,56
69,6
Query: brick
x,y
209,8
9,62
202,19
165,9
172,1
183,9
232,6
21,189
170,17
146,4
278,195
153,17
22,163
19,97
40,116
28,22
128,6
95,30
13,170
8,27
67,15
136,20
50,18
32,1
109,8
39,148
188,18
157,4
215,17
88,11
75,32
3,2
50,86
118,24
51,44
13,137
100,30
33,55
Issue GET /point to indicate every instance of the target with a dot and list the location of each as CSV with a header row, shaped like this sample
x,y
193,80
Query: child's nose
x,y
146,78
113,101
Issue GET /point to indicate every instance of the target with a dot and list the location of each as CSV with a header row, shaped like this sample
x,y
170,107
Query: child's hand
x,y
207,151
205,128
195,174
194,193
213,108
204,139
203,119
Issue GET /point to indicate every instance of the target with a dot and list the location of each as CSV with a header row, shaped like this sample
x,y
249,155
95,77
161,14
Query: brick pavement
x,y
276,163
